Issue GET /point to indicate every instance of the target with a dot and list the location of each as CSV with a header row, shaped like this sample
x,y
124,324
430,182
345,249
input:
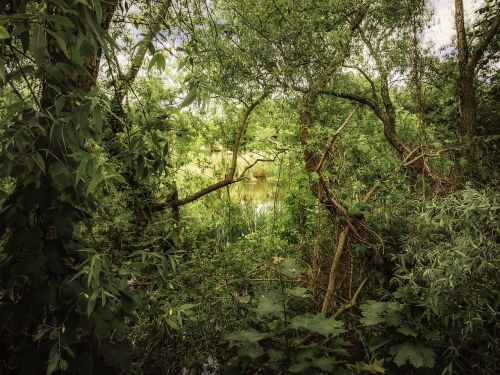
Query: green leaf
x,y
190,97
290,267
413,352
297,292
248,336
96,179
373,313
60,41
81,170
2,69
39,161
317,324
61,21
314,177
98,10
60,174
407,331
59,103
251,350
159,60
4,34
324,363
299,367
374,368
268,306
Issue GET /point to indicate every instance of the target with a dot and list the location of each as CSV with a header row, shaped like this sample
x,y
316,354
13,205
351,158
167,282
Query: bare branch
x,y
332,139
352,302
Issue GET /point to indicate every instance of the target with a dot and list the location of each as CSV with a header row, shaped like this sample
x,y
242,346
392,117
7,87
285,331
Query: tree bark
x,y
467,63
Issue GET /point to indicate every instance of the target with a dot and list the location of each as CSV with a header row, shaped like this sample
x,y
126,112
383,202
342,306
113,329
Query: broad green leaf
x,y
248,336
159,60
290,267
268,306
413,352
300,366
317,324
251,350
94,182
297,292
325,363
98,10
80,170
373,313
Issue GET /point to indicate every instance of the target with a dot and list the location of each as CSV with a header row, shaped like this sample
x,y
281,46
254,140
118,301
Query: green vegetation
x,y
248,187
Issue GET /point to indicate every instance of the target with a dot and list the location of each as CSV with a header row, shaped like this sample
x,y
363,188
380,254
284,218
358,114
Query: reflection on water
x,y
256,192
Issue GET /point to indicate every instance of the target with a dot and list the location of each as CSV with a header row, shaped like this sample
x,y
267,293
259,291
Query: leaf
x,y
299,367
375,367
81,170
297,292
190,97
414,352
60,174
373,313
317,324
4,34
324,363
96,179
60,41
91,303
98,10
314,177
59,103
39,161
251,350
2,70
268,306
61,20
248,336
407,331
159,60
187,306
290,267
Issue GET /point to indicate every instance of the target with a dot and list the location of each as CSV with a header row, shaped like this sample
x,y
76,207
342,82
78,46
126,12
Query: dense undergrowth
x,y
240,187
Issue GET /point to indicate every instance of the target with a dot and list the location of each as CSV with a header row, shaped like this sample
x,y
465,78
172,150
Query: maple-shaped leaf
x,y
318,324
414,352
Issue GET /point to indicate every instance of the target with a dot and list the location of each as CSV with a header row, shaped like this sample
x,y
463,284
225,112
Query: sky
x,y
442,31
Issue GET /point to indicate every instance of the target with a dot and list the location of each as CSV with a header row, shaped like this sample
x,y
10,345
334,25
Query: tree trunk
x,y
467,113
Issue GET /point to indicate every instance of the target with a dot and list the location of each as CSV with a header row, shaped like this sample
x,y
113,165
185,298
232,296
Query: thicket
x,y
241,187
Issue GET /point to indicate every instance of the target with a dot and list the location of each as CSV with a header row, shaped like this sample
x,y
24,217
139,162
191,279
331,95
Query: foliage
x,y
155,218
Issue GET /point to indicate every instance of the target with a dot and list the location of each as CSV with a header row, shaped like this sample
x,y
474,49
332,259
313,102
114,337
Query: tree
x,y
468,58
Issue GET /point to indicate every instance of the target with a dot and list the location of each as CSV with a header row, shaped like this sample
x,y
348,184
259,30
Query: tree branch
x,y
474,60
352,302
229,178
332,139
